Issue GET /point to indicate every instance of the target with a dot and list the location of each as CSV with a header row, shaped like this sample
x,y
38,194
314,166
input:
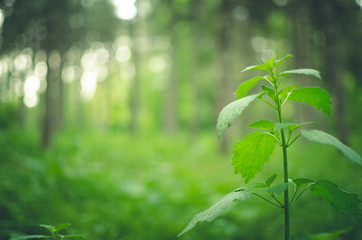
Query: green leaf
x,y
49,227
290,126
61,226
271,179
305,71
316,97
269,91
261,67
246,86
325,138
279,126
298,125
278,188
75,236
284,93
251,153
335,235
33,237
262,124
278,62
217,209
231,111
303,181
271,63
344,202
251,186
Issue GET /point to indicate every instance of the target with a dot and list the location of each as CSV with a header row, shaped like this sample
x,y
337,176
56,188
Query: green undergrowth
x,y
110,185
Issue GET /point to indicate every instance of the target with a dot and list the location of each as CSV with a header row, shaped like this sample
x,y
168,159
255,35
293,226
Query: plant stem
x,y
285,168
286,191
279,206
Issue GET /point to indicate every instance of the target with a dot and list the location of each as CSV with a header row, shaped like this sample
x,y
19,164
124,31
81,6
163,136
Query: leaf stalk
x,y
293,140
296,198
279,206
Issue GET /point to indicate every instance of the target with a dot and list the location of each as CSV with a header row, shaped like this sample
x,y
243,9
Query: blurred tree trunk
x,y
298,14
302,41
49,104
172,94
307,17
79,105
56,44
334,61
60,102
195,9
226,62
330,19
136,81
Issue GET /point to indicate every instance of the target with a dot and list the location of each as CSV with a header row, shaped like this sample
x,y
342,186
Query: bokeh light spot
x,y
123,54
31,100
31,85
125,9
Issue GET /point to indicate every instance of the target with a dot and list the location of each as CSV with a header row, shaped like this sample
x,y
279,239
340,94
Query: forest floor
x,y
114,186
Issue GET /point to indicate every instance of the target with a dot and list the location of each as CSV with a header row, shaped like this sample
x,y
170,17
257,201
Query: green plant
x,y
251,153
54,233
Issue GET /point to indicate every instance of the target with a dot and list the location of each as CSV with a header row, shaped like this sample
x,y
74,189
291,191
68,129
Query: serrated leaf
x,y
268,91
271,62
231,111
61,226
284,93
251,153
49,227
290,126
278,62
260,67
344,202
217,209
262,124
279,126
303,181
305,71
325,138
314,96
298,125
277,188
246,86
33,237
271,179
251,186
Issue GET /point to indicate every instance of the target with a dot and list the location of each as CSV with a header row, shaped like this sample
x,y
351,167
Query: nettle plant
x,y
251,153
53,233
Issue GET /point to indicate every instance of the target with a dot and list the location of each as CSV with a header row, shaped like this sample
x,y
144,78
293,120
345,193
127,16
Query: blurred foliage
x,y
131,105
8,115
115,186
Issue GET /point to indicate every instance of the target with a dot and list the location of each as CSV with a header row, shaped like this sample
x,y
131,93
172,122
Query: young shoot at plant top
x,y
251,153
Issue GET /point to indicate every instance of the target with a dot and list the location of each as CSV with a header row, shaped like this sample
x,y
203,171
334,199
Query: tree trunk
x,y
135,95
48,123
334,60
172,95
56,43
225,49
196,66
